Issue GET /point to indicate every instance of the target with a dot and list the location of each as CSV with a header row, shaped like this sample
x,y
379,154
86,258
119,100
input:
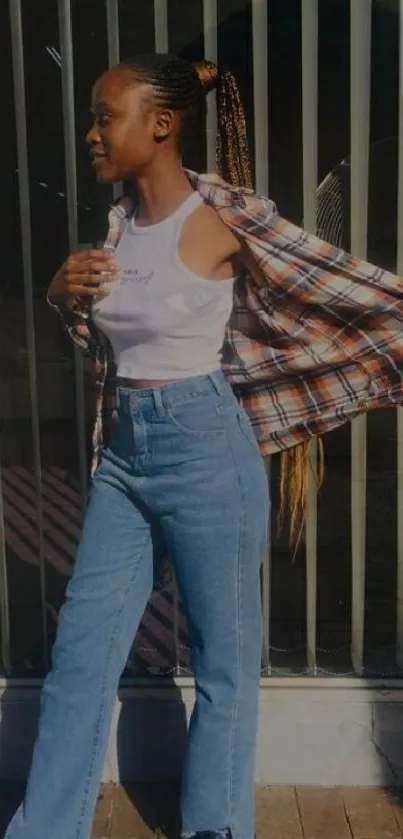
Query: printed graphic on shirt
x,y
134,275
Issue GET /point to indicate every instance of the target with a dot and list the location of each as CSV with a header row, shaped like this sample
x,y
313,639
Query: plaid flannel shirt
x,y
315,337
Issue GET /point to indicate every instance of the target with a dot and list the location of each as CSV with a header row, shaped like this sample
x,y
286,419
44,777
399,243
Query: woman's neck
x,y
160,192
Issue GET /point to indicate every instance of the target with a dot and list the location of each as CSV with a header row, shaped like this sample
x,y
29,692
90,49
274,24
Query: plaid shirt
x,y
315,337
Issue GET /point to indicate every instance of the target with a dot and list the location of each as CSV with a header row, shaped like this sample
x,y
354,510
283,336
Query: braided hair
x,y
182,87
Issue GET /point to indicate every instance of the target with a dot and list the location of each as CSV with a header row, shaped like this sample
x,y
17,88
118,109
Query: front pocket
x,y
197,418
121,439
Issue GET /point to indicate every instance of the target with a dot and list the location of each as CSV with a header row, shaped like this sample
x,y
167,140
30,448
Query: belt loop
x,y
216,381
159,407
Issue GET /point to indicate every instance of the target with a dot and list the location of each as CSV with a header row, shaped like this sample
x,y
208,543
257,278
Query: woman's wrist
x,y
56,295
59,300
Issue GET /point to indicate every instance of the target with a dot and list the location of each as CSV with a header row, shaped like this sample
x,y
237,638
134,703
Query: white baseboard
x,y
322,732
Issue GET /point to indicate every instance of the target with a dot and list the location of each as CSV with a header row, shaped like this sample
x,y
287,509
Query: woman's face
x,y
127,129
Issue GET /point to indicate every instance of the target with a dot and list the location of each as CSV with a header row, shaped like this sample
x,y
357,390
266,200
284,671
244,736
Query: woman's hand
x,y
84,274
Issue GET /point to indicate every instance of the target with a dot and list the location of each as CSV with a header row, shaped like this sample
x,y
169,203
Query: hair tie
x,y
208,74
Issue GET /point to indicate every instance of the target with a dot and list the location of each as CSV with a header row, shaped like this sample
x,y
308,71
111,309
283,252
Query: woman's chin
x,y
104,174
105,177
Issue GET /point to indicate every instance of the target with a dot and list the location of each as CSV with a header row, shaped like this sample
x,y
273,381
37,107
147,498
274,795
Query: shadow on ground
x,y
150,733
153,734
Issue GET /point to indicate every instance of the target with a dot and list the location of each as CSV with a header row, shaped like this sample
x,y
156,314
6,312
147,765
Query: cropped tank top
x,y
162,320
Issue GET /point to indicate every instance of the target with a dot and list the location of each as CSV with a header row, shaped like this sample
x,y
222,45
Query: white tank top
x,y
162,320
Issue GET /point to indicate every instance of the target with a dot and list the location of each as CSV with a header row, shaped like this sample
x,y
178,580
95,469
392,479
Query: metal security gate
x,y
40,503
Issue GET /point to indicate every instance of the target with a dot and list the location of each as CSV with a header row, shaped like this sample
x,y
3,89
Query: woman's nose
x,y
93,136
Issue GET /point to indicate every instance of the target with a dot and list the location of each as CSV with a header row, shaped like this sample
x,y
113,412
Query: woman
x,y
182,472
307,338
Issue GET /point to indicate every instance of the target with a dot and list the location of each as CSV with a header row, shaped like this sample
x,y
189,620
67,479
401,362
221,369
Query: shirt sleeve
x,y
328,309
323,274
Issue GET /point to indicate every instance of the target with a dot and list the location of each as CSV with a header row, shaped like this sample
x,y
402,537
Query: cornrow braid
x,y
174,81
175,85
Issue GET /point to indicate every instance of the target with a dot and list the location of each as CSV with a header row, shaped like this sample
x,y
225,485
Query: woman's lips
x,y
96,159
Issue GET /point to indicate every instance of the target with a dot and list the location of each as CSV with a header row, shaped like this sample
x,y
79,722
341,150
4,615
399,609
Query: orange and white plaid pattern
x,y
315,337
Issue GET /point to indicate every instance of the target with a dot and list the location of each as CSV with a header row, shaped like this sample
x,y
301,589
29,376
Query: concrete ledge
x,y
321,732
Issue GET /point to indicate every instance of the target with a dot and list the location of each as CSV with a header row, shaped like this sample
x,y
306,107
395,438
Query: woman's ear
x,y
164,125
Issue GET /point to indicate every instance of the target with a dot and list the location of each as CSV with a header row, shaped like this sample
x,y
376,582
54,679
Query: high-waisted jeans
x,y
181,474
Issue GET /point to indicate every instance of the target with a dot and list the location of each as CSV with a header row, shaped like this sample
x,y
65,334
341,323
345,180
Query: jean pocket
x,y
197,418
121,437
112,424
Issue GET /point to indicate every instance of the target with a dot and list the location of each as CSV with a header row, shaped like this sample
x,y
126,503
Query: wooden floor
x,y
144,811
282,813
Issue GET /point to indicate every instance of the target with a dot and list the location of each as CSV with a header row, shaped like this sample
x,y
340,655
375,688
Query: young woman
x,y
182,473
307,338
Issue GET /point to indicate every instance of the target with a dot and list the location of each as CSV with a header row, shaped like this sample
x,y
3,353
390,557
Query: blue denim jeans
x,y
183,473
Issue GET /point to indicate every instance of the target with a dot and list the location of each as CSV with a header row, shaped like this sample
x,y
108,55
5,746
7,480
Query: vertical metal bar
x,y
399,628
261,94
67,70
399,618
311,559
161,25
360,63
162,46
309,15
112,26
17,45
4,601
261,129
266,593
210,27
175,602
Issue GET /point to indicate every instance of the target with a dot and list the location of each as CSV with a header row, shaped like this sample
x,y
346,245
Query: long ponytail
x,y
232,153
234,165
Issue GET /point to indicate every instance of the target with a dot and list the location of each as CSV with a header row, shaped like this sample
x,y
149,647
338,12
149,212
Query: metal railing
x,y
399,638
166,605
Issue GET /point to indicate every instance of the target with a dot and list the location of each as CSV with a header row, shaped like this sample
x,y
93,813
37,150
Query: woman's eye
x,y
104,119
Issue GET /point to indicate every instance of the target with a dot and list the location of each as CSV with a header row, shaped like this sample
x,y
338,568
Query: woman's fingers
x,y
84,256
101,271
81,290
84,274
80,266
87,272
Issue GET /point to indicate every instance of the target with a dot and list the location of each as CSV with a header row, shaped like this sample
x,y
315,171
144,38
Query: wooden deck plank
x,y
142,811
322,813
128,816
371,814
103,814
396,797
147,810
277,814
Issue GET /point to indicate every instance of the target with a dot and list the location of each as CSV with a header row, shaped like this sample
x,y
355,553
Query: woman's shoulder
x,y
205,227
